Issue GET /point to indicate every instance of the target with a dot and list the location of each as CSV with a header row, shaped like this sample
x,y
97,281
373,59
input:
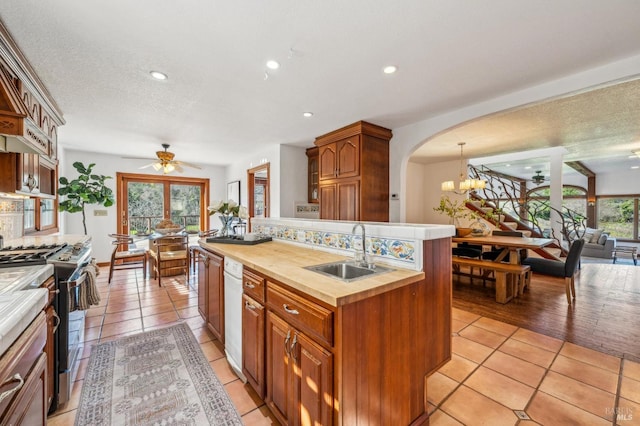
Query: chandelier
x,y
465,183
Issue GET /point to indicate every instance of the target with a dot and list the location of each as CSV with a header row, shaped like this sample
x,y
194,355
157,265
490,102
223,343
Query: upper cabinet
x,y
312,178
354,173
29,117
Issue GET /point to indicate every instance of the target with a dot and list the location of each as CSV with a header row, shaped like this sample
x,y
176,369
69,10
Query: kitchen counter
x,y
19,307
285,262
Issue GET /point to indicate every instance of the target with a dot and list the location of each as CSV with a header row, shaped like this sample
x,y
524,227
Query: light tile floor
x,y
496,368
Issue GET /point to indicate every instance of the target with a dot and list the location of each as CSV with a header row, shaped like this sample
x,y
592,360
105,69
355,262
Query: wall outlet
x,y
99,212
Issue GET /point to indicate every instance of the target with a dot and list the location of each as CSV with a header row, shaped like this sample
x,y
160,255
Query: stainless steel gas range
x,y
69,262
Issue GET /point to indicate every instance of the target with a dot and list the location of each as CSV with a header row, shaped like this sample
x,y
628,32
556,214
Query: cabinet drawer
x,y
253,285
305,315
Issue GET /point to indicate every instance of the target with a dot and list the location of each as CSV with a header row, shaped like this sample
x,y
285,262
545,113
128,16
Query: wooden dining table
x,y
510,245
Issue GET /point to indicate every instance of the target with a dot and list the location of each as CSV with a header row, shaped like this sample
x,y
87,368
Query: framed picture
x,y
233,191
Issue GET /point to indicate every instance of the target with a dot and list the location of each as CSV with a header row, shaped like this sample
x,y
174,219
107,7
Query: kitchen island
x,y
323,351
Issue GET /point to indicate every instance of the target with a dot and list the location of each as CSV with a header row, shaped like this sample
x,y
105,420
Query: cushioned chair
x,y
126,255
557,268
467,250
171,253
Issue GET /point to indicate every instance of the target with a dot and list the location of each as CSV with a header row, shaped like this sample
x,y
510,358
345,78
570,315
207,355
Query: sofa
x,y
598,243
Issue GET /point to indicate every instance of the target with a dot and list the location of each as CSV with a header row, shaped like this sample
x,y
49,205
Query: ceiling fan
x,y
166,163
538,178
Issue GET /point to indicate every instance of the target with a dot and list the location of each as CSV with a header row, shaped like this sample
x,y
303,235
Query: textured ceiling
x,y
216,107
600,128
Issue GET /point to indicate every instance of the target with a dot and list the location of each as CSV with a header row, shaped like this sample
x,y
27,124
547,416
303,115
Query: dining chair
x,y
171,253
557,268
126,255
193,246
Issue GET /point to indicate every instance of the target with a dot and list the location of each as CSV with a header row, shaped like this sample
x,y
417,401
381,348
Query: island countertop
x,y
285,262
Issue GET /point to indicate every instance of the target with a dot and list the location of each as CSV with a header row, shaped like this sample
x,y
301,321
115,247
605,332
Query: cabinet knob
x,y
249,285
249,306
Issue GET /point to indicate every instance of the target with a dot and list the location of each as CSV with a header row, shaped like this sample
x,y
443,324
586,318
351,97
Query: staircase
x,y
485,209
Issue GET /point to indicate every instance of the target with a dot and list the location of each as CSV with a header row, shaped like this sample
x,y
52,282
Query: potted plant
x,y
456,210
87,188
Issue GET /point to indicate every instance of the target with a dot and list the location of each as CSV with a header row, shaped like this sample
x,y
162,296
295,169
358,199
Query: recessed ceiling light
x,y
635,167
307,114
158,75
273,65
527,167
390,69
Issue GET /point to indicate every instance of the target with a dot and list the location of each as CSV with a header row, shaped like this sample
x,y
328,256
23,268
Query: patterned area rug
x,y
160,377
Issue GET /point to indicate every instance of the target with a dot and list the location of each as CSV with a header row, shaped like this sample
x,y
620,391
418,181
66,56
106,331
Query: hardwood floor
x,y
605,315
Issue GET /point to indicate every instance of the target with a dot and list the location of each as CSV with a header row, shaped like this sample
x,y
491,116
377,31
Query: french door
x,y
145,200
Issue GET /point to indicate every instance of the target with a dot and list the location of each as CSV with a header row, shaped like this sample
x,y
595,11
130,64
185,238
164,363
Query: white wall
x,y
287,177
238,171
99,226
293,179
408,138
624,182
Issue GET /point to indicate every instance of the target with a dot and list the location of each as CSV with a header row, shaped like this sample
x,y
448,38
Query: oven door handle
x,y
71,283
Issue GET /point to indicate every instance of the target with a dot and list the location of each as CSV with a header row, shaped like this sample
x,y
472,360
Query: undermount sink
x,y
347,271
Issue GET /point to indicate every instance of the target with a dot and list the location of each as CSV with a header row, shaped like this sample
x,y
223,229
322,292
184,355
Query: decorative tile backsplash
x,y
405,253
11,217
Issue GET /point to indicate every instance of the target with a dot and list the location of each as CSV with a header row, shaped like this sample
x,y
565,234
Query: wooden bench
x,y
505,289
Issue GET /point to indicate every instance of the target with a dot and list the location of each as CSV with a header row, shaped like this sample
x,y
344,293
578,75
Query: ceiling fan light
x,y
168,168
157,167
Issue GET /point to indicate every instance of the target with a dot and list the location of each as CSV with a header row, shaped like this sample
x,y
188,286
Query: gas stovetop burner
x,y
28,255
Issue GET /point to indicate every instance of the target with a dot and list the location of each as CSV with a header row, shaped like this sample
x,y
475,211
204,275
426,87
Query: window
x,y
619,216
145,200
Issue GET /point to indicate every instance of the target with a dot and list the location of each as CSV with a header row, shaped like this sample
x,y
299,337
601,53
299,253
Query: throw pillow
x,y
588,235
596,235
603,239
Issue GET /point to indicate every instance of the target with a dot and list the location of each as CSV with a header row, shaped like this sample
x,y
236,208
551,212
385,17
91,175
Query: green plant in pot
x,y
456,210
87,188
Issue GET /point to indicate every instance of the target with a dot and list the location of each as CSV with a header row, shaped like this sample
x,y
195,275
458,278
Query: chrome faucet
x,y
360,254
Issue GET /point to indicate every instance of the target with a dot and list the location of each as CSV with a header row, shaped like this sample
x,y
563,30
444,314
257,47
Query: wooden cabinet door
x,y
30,173
313,382
348,201
328,201
327,161
279,371
253,344
348,157
203,270
215,297
312,176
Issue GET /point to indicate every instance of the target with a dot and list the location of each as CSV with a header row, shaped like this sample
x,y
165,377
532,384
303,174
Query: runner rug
x,y
160,377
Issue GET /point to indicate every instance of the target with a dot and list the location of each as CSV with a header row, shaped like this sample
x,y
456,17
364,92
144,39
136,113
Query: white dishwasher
x,y
233,314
